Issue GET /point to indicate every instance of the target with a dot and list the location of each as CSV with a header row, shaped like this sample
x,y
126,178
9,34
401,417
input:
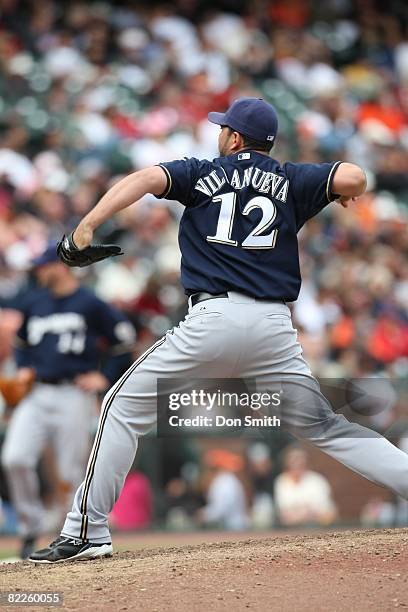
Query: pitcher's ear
x,y
237,140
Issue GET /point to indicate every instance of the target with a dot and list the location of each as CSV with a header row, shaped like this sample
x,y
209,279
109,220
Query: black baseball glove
x,y
69,253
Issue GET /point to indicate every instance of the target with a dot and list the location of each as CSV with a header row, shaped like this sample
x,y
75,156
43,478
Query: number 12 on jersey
x,y
226,219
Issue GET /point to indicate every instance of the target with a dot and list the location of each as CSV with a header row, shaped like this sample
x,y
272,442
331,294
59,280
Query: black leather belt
x,y
54,381
201,296
196,298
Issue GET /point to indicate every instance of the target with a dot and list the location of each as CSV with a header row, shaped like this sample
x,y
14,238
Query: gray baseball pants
x,y
234,337
60,415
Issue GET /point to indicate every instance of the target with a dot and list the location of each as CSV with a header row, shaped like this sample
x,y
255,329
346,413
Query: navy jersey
x,y
62,337
242,214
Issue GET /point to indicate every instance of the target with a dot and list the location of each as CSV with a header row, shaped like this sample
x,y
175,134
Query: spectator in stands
x,y
262,478
302,496
226,499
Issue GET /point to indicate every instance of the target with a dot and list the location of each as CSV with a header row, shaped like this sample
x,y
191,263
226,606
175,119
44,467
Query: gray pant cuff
x,y
95,540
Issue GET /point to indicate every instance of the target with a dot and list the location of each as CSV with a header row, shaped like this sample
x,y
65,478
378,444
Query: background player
x,y
60,339
239,266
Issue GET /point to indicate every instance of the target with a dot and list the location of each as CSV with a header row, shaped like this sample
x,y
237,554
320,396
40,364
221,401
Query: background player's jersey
x,y
62,337
239,228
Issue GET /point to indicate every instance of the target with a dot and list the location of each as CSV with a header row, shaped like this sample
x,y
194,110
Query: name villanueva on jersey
x,y
260,180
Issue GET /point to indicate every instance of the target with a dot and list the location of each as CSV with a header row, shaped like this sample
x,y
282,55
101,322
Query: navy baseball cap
x,y
252,117
48,256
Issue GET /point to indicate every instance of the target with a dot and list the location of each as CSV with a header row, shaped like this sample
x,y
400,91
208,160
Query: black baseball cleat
x,y
71,549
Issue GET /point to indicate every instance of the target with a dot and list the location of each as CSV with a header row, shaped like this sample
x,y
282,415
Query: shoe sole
x,y
105,550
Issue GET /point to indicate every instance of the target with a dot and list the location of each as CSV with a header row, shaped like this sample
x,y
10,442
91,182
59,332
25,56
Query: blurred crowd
x,y
91,91
234,490
249,491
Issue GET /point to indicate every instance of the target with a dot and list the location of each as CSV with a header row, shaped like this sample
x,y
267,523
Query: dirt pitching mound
x,y
351,570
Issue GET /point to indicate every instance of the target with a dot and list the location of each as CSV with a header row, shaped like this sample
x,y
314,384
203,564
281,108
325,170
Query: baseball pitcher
x,y
239,267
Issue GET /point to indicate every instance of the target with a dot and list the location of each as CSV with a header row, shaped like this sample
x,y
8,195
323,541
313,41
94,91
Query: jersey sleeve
x,y
120,336
111,324
311,186
181,178
22,351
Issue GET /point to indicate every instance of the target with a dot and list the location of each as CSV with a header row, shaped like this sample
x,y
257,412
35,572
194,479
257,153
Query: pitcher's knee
x,y
319,428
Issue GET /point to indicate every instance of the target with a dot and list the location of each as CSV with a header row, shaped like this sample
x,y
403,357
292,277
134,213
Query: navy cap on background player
x,y
48,256
252,117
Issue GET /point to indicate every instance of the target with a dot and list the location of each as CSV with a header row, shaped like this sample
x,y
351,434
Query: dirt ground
x,y
339,571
